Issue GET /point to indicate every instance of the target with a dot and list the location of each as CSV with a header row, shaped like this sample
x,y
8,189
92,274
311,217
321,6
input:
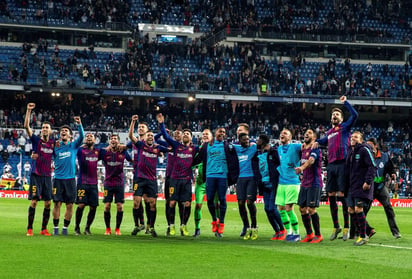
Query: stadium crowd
x,y
239,69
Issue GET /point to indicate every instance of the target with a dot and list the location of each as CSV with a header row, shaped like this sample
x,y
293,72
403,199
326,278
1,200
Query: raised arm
x,y
135,118
353,113
166,136
79,140
30,107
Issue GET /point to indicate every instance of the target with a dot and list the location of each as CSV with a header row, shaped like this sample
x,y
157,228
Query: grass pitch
x,y
126,256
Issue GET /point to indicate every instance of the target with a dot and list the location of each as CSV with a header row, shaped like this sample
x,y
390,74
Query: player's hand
x,y
315,145
366,186
121,147
135,117
31,106
160,118
77,120
298,170
34,156
342,99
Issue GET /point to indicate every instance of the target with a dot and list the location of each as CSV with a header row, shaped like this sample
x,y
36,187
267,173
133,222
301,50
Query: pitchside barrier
x,y
11,194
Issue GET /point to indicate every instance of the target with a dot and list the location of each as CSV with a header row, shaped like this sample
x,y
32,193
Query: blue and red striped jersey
x,y
312,176
42,165
113,163
87,160
147,161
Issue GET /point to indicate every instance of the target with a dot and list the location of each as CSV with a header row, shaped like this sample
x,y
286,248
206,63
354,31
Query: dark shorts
x,y
335,177
116,191
143,186
216,185
180,190
309,196
64,190
40,188
358,202
166,189
88,195
246,189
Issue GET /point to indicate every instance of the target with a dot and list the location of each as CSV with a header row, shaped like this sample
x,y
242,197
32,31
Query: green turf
x,y
206,257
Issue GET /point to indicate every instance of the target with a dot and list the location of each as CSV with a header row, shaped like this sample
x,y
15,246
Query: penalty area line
x,y
389,246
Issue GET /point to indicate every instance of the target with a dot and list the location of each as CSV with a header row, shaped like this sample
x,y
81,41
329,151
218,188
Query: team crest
x,y
357,156
155,151
96,152
121,156
190,149
307,154
337,128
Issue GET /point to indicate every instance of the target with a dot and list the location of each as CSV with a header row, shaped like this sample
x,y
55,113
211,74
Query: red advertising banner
x,y
407,203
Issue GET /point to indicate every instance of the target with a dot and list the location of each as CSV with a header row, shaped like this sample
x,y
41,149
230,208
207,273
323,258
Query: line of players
x,y
284,176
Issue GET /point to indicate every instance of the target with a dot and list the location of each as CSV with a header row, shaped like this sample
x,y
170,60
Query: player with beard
x,y
177,136
113,160
310,187
146,183
64,185
87,190
337,139
180,188
40,178
138,212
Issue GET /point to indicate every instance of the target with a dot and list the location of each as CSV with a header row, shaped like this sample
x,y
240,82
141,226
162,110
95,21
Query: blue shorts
x,y
216,185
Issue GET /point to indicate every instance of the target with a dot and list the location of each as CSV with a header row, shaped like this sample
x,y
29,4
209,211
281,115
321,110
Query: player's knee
x,y
358,209
303,210
312,210
250,202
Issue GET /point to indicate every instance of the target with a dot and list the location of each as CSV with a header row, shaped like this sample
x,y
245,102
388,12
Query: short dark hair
x,y
188,130
66,127
314,131
264,139
218,128
143,123
338,110
47,123
115,135
373,140
241,135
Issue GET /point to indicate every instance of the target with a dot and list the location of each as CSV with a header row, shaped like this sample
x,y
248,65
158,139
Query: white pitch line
x,y
389,246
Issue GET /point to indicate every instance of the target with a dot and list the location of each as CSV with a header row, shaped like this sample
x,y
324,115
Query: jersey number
x,y
81,193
